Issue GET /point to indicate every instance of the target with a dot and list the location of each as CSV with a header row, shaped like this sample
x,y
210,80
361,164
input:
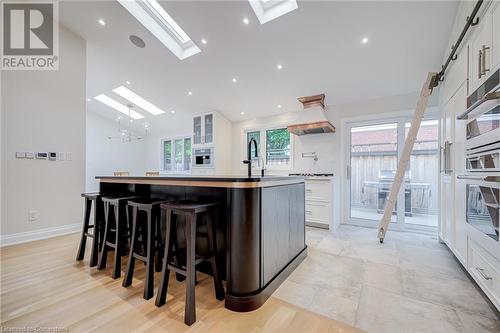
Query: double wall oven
x,y
482,158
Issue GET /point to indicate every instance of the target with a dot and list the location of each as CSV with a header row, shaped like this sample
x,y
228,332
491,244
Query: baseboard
x,y
28,236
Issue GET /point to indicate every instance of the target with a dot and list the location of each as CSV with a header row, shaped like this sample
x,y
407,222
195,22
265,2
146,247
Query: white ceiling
x,y
319,46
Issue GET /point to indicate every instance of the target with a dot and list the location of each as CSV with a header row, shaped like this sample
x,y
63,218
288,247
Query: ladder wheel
x,y
381,240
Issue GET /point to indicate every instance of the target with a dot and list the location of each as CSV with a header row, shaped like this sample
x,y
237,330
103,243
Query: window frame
x,y
172,154
262,148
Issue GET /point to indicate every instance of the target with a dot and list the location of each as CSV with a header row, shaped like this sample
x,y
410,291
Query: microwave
x,y
483,114
203,157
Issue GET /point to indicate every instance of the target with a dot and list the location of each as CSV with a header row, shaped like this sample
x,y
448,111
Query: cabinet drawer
x,y
318,190
482,267
317,212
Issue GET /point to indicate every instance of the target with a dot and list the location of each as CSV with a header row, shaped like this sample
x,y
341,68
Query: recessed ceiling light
x,y
118,106
204,41
268,10
278,106
127,82
242,113
279,66
138,100
172,111
154,18
101,22
364,40
234,80
190,93
245,20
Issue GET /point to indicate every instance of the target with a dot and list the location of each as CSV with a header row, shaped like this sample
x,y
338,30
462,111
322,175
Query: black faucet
x,y
249,153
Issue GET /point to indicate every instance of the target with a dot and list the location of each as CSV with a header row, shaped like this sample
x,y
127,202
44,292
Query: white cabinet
x,y
484,46
319,202
212,130
495,46
485,269
203,129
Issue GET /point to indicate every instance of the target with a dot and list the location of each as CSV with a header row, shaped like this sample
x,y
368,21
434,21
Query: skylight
x,y
154,18
118,106
138,100
268,10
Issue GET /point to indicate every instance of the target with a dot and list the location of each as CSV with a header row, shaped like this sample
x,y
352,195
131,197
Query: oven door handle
x,y
488,97
492,179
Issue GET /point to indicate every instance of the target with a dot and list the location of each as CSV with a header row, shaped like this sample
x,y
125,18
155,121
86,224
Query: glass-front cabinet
x,y
203,129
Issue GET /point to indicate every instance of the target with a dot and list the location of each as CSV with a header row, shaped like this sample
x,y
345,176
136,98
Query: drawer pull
x,y
486,277
309,191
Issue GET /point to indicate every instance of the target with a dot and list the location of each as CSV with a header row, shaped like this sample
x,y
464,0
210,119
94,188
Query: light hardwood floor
x,y
43,286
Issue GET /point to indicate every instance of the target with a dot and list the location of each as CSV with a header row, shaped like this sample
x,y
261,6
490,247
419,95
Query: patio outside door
x,y
373,156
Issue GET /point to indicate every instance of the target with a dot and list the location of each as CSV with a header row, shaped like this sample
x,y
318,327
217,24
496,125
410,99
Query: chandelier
x,y
126,134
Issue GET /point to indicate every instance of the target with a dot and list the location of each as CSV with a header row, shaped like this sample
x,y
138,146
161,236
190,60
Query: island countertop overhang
x,y
205,181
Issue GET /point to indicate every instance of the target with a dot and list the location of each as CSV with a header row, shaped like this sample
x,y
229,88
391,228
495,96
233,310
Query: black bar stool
x,y
119,225
190,211
149,230
97,227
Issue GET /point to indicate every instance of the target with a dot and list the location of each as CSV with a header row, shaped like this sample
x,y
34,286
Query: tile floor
x,y
411,283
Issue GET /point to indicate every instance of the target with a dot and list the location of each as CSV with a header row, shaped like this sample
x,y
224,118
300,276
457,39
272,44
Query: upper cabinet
x,y
495,46
484,47
203,129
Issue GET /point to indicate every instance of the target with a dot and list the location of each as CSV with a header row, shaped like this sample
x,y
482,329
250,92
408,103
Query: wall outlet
x,y
32,216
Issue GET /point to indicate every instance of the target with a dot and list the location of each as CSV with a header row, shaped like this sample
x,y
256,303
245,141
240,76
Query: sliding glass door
x,y
372,159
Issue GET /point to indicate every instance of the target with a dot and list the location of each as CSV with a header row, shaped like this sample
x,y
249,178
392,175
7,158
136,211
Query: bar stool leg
x,y
148,290
104,248
190,307
118,244
212,241
129,273
165,273
95,241
158,239
86,221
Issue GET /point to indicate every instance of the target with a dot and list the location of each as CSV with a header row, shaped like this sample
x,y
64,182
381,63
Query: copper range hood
x,y
313,119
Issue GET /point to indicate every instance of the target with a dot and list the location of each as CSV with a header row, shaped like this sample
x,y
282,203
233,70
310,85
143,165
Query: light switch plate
x,y
61,156
20,154
30,155
69,156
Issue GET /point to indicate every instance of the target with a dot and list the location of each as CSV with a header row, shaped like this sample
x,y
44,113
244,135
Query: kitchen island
x,y
260,226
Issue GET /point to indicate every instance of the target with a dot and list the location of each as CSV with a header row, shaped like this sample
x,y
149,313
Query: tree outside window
x,y
277,146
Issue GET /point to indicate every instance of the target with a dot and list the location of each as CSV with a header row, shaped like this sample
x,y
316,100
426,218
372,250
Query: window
x,y
274,144
256,136
176,155
277,147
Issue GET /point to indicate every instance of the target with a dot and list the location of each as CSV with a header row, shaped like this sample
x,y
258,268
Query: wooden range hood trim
x,y
300,129
312,101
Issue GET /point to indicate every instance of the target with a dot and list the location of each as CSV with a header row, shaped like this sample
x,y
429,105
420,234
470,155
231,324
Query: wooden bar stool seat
x,y
116,223
97,227
190,211
145,231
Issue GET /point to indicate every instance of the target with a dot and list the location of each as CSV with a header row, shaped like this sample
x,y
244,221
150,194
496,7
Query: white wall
x,y
44,111
104,156
329,147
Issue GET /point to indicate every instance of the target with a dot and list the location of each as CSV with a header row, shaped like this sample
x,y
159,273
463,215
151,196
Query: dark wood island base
x,y
260,226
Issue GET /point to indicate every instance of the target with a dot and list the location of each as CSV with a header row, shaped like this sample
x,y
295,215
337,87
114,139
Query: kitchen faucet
x,y
249,153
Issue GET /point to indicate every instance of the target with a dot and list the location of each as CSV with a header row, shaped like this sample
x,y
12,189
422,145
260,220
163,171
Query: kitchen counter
x,y
260,226
206,181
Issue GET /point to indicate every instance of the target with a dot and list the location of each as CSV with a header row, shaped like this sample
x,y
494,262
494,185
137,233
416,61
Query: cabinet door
x,y
197,132
495,46
209,128
448,211
480,52
460,222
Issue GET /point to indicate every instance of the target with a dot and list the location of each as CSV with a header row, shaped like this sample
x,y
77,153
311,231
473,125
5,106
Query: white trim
x,y
29,236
